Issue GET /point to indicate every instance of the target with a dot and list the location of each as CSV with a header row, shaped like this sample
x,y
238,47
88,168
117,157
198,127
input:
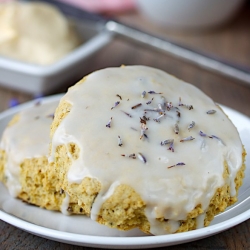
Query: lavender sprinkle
x,y
136,106
190,138
176,128
202,134
178,164
129,156
142,120
168,141
169,105
141,157
108,125
119,96
143,94
116,104
171,147
153,92
126,114
143,129
153,110
191,125
149,102
119,141
210,112
159,117
146,118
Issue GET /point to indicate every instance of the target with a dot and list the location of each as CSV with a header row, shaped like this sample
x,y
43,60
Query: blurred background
x,y
215,28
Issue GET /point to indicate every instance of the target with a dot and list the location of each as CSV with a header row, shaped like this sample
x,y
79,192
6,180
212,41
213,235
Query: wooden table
x,y
231,42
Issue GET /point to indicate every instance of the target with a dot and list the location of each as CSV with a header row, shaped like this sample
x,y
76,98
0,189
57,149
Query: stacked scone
x,y
130,147
24,159
137,147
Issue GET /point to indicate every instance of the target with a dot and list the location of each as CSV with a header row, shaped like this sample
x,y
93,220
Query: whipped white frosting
x,y
171,182
35,32
25,139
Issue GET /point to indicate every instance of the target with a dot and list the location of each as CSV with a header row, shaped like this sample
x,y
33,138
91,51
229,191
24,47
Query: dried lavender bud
x,y
126,114
169,105
190,138
149,102
159,117
176,128
178,164
168,141
116,104
191,125
119,96
132,156
189,107
136,106
153,92
146,118
171,147
210,112
153,110
141,157
202,134
143,94
143,129
119,141
108,125
143,120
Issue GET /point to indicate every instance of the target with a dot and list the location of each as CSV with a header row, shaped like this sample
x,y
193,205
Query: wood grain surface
x,y
231,42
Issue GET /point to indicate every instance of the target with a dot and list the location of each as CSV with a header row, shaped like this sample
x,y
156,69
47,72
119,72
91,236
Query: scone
x,y
137,147
24,159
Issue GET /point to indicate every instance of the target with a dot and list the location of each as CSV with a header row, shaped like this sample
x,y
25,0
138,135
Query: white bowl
x,y
189,14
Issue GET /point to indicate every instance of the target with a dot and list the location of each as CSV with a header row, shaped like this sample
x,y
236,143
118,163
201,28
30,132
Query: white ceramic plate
x,y
79,230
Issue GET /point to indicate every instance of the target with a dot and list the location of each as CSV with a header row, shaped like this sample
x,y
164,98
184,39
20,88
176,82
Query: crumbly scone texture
x,y
38,186
124,209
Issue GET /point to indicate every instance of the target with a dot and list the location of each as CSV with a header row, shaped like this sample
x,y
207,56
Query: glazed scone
x,y
137,147
44,40
24,159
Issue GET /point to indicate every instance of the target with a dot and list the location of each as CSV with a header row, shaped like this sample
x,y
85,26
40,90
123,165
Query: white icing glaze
x,y
27,138
168,192
65,204
200,220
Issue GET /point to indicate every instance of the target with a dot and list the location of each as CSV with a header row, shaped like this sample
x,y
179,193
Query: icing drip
x,y
65,205
27,138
